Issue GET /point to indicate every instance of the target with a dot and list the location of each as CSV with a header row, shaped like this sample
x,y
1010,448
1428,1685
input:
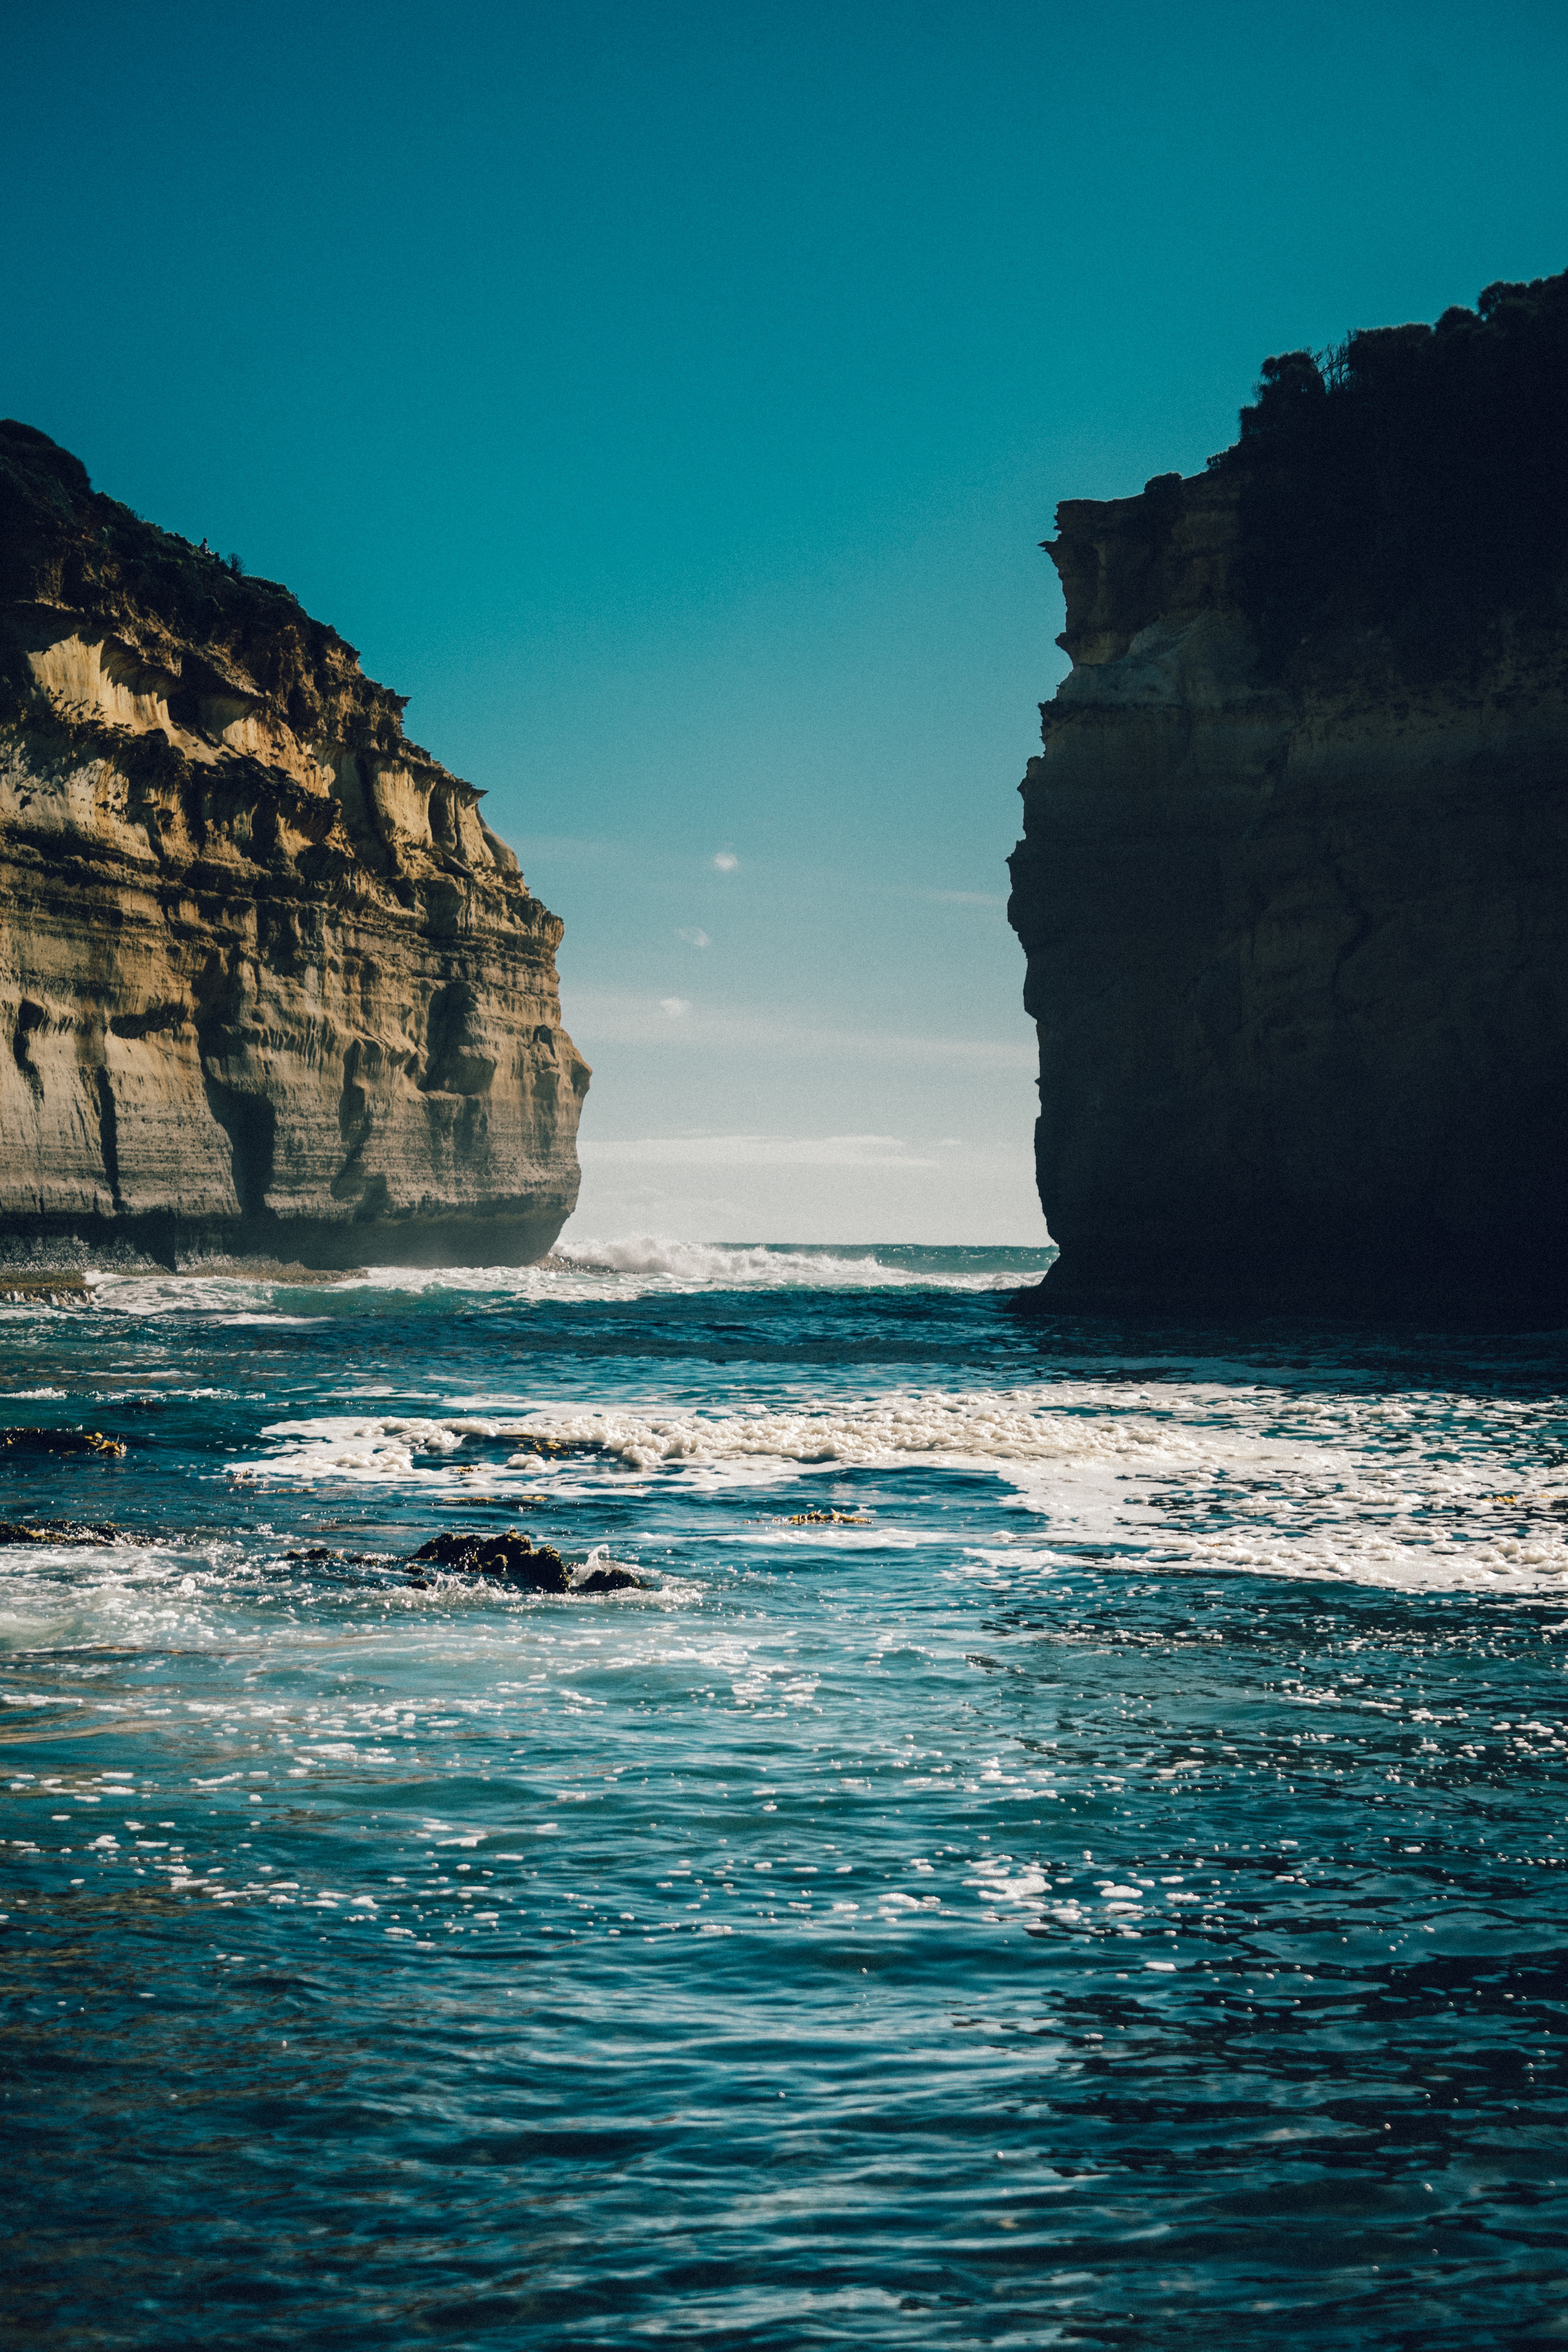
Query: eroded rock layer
x,y
1294,881
268,982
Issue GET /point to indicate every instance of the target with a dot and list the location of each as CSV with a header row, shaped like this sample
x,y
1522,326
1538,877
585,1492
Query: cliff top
x,y
68,548
1409,484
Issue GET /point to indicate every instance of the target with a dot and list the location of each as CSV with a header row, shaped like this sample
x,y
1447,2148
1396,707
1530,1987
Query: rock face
x,y
1293,886
268,982
514,1558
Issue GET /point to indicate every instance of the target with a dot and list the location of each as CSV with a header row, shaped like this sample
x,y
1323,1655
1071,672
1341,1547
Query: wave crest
x,y
724,1265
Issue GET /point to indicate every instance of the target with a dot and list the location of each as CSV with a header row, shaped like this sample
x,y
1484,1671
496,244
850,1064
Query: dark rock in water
x,y
516,1559
65,1531
43,1290
511,1558
60,1440
316,1553
606,1578
1293,886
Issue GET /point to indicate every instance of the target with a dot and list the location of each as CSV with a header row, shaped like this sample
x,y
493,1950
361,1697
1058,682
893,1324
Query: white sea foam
x,y
214,1299
368,1452
1011,1428
717,1266
60,1596
625,1267
633,1264
1248,1479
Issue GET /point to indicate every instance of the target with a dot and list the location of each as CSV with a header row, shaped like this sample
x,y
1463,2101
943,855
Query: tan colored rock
x,y
268,983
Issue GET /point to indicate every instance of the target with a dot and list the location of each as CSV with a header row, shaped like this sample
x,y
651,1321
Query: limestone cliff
x,y
268,982
1294,881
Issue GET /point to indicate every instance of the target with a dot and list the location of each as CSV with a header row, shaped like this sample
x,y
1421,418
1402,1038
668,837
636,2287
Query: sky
x,y
670,400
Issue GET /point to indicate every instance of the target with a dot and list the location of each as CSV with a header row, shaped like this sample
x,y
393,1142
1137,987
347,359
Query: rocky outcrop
x,y
1293,886
268,982
513,1558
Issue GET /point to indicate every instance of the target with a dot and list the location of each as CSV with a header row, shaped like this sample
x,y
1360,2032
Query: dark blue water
x,y
1103,1887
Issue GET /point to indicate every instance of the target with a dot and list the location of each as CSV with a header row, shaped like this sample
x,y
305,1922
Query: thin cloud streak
x,y
751,1152
597,1018
583,849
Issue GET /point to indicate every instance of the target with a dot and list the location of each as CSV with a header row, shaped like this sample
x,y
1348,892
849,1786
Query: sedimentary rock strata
x,y
1293,884
268,982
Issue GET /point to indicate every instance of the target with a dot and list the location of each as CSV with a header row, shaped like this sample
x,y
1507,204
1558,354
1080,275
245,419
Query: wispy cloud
x,y
652,864
952,898
607,1017
751,1152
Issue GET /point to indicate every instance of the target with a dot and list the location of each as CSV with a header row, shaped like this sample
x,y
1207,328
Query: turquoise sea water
x,y
1105,1885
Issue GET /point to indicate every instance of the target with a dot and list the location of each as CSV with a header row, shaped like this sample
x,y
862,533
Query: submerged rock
x,y
324,1555
45,1290
65,1531
606,1576
1293,886
269,984
60,1440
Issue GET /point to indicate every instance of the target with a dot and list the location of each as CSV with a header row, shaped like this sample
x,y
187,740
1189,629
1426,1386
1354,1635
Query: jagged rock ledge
x,y
269,984
1293,886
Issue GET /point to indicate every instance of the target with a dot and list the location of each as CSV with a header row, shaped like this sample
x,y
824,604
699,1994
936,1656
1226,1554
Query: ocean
x,y
1066,1848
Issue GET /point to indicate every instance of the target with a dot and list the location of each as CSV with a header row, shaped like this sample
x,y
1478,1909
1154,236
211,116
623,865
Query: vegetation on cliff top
x,y
1412,480
64,544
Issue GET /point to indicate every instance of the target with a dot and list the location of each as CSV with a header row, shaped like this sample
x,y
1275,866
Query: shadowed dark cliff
x,y
1293,886
267,980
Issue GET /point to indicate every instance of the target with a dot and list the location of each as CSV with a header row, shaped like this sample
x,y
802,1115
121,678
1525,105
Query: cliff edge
x,y
1293,884
269,983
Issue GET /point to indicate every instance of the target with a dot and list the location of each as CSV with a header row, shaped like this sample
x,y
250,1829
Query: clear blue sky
x,y
669,399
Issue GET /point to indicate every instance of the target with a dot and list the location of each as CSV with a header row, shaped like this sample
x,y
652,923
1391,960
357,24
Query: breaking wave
x,y
729,1266
630,1266
1252,1480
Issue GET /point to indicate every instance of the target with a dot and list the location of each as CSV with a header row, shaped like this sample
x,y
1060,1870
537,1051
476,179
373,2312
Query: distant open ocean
x,y
1071,1852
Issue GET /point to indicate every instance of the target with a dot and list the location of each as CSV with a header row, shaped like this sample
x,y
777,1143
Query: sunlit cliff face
x,y
266,978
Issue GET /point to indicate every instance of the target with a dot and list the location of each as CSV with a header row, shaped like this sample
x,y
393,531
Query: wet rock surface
x,y
515,1558
61,1441
606,1576
67,1531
